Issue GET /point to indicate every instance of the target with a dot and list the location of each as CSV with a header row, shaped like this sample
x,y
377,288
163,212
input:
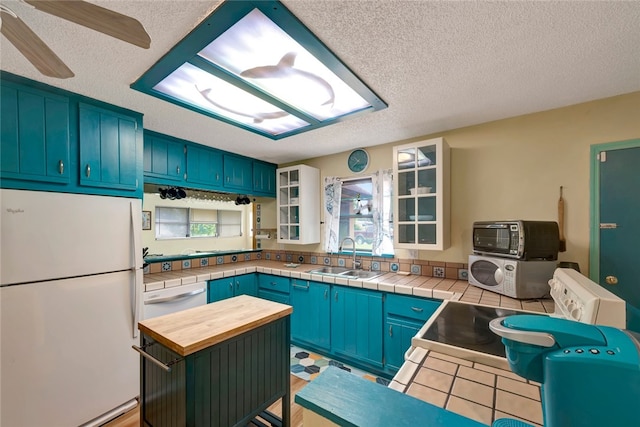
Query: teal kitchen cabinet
x,y
204,167
164,158
356,324
264,178
238,173
35,135
404,316
311,317
108,148
227,287
274,288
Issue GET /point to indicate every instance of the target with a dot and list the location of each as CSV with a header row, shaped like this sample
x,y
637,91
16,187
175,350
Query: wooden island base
x,y
222,364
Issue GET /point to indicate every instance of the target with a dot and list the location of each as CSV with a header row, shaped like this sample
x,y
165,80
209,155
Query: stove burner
x,y
467,326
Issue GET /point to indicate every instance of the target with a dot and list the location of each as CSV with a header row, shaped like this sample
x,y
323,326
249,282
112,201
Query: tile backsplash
x,y
418,267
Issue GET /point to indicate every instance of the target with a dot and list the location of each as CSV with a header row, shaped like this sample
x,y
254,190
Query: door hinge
x,y
602,156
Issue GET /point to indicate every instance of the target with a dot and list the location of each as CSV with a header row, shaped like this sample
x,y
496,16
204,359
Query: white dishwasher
x,y
170,300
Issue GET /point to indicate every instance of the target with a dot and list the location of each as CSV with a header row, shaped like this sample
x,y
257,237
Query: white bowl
x,y
420,190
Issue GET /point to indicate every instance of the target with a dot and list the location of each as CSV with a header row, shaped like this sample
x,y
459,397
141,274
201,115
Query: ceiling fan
x,y
83,13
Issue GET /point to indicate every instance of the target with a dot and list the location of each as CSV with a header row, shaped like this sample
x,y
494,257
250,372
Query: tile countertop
x,y
477,391
421,286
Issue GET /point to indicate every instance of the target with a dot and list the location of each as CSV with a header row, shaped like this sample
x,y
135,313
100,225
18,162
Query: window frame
x,y
219,223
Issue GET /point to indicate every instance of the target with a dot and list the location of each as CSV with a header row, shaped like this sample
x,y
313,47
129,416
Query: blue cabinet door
x,y
220,289
311,317
35,135
204,166
238,173
247,284
164,158
404,316
108,149
264,178
356,324
397,340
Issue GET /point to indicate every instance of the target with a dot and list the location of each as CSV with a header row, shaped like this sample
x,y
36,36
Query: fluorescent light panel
x,y
241,65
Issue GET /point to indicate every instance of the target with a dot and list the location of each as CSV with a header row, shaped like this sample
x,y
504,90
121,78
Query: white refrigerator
x,y
70,297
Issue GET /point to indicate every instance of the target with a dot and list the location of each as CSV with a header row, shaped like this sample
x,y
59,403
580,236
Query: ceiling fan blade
x,y
32,47
97,18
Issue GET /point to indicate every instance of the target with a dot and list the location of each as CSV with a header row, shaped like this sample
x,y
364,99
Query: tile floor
x,y
307,365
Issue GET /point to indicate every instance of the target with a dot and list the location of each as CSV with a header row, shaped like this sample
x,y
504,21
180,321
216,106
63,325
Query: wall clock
x,y
358,160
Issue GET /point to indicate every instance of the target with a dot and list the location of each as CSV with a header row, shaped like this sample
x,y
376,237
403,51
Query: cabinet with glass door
x,y
298,205
421,187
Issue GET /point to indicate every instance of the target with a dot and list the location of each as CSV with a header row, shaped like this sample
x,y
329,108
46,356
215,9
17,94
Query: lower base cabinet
x,y
311,317
367,328
403,318
356,324
227,287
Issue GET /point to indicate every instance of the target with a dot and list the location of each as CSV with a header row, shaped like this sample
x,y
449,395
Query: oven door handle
x,y
176,297
542,339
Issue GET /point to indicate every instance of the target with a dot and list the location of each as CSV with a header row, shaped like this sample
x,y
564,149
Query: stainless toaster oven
x,y
524,240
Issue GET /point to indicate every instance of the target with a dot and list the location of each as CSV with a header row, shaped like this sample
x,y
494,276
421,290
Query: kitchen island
x,y
220,364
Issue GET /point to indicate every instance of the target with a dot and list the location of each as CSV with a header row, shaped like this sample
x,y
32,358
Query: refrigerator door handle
x,y
136,225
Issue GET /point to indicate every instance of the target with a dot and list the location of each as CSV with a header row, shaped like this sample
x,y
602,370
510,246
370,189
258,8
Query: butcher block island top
x,y
189,331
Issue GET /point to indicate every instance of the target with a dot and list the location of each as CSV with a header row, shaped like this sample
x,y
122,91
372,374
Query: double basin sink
x,y
345,272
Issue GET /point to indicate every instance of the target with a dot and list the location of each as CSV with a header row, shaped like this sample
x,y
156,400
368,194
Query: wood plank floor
x,y
132,418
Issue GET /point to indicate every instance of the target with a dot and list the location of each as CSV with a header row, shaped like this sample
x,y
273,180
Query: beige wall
x,y
185,246
513,169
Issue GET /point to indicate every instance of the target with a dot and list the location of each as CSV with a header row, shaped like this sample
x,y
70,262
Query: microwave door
x,y
486,272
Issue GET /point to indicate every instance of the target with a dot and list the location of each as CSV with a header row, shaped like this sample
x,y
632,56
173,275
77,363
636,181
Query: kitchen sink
x,y
346,272
361,274
329,270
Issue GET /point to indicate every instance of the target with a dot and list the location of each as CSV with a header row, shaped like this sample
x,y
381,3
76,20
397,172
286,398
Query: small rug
x,y
308,365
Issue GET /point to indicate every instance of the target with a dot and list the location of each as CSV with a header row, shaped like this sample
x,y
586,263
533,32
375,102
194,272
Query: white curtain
x,y
332,195
383,231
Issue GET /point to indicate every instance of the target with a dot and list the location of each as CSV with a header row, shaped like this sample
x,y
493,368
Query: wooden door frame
x,y
594,223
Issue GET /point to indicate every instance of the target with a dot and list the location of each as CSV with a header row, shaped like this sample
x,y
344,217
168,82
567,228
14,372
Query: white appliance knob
x,y
571,306
576,313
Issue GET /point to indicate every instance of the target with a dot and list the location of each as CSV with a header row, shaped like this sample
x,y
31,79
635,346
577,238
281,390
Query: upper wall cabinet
x,y
421,188
298,205
108,153
238,172
204,166
55,140
163,157
176,162
35,135
264,177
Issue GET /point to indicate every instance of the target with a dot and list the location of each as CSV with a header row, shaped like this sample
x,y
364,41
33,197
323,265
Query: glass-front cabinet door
x,y
421,184
298,207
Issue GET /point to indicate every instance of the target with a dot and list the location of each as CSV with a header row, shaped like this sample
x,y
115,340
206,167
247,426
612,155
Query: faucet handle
x,y
357,264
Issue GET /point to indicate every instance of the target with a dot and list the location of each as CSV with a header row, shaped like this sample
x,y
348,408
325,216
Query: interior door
x,y
617,224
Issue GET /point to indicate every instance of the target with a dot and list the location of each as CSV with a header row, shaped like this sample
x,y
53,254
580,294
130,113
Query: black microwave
x,y
526,240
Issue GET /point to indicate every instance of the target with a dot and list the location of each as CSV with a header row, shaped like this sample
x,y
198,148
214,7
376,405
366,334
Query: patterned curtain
x,y
332,195
383,231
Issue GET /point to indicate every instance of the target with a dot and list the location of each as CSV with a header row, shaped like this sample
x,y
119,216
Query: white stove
x,y
462,330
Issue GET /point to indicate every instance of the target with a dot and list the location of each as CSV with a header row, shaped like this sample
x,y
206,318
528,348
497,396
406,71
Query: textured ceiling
x,y
439,65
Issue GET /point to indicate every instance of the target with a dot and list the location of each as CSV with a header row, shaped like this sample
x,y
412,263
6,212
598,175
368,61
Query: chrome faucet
x,y
356,264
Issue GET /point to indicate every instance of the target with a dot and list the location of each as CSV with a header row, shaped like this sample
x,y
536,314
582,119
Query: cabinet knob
x,y
326,293
178,170
390,330
611,280
61,167
87,171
